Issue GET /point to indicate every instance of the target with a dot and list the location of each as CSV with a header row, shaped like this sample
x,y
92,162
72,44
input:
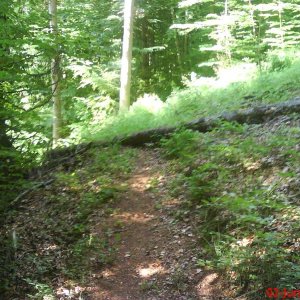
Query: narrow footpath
x,y
156,255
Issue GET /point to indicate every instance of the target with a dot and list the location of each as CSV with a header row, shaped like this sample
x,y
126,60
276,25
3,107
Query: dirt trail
x,y
155,258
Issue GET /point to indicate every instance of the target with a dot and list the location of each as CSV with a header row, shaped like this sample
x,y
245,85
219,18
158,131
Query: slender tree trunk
x,y
145,75
177,43
227,33
4,139
8,167
280,25
126,55
55,78
252,18
255,34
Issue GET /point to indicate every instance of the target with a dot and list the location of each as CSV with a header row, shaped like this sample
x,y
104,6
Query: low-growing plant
x,y
43,291
203,181
148,285
113,160
71,180
181,144
247,222
86,251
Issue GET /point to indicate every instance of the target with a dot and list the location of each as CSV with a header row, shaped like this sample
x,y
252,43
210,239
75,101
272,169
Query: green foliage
x,y
12,177
164,60
82,253
44,291
181,144
7,262
258,265
203,180
121,160
205,97
232,30
66,215
277,62
91,201
249,49
240,204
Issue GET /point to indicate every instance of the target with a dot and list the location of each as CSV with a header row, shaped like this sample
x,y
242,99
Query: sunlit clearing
x,y
237,73
225,76
151,270
149,102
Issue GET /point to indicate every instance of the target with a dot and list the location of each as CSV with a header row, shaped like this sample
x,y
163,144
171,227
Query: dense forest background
x,y
190,58
176,44
199,47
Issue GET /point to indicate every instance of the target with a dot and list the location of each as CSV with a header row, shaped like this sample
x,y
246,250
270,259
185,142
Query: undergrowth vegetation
x,y
59,245
242,184
187,59
240,86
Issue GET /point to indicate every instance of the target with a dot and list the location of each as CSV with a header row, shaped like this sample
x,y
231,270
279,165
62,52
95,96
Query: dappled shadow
x,y
98,242
145,255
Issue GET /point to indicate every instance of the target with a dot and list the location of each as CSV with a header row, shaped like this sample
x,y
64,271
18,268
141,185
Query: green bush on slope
x,y
279,81
248,223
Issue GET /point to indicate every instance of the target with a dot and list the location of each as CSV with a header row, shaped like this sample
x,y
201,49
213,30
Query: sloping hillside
x,y
197,216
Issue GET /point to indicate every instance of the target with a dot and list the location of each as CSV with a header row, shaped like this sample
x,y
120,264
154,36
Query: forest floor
x,y
186,219
141,249
156,254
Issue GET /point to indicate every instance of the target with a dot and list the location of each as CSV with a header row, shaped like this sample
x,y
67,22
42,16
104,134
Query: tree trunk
x,y
126,55
5,142
6,146
227,33
177,43
145,75
55,77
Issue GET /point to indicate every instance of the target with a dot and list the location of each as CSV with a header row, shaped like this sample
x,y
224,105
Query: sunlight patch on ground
x,y
74,291
171,202
47,249
107,273
150,270
136,217
206,286
245,242
50,247
140,183
271,179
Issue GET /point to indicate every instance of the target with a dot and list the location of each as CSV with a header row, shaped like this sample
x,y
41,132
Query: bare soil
x,y
156,256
